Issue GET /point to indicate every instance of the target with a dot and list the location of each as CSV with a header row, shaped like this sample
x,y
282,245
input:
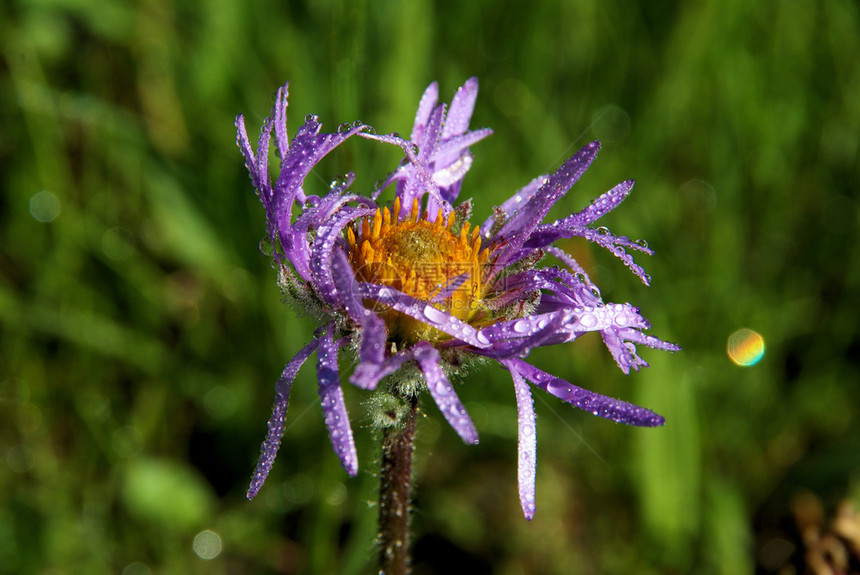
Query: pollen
x,y
422,258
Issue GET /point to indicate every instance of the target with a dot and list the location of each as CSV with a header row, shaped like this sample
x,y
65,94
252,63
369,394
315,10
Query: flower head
x,y
413,288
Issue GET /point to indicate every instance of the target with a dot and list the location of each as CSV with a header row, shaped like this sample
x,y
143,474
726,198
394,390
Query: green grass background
x,y
141,330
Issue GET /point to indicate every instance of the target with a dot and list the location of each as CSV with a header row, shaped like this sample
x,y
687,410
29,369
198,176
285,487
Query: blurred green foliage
x,y
142,330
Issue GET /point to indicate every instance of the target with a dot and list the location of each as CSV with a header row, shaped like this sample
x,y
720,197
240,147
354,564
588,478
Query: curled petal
x,y
368,374
323,250
620,342
269,448
443,392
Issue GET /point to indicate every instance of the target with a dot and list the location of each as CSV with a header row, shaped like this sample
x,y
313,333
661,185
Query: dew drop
x,y
588,320
521,326
434,315
344,127
559,388
642,243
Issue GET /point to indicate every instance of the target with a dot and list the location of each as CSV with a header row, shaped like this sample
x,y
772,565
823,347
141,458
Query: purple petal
x,y
449,288
323,249
367,374
451,175
415,176
527,446
462,107
373,335
443,393
427,143
263,152
247,151
570,262
334,409
425,312
450,150
269,448
519,228
595,403
515,202
425,108
280,119
601,206
620,342
306,150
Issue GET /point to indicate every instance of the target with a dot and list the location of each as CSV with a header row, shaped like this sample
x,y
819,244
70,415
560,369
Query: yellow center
x,y
423,259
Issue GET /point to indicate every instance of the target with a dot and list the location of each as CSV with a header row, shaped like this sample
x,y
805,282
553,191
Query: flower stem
x,y
394,494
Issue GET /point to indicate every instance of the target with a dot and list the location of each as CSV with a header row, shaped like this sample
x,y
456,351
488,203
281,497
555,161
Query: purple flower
x,y
414,290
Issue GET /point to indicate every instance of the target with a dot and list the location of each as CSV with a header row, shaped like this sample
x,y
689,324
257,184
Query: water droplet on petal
x,y
521,326
434,315
559,388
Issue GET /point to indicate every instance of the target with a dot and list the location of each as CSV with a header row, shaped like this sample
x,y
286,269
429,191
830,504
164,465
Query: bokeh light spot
x,y
337,495
44,206
745,347
207,545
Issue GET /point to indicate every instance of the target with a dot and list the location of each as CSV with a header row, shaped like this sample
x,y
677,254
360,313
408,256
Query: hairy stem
x,y
394,494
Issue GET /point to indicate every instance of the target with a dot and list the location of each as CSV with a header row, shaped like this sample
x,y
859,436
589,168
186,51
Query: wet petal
x,y
280,119
462,107
520,226
425,108
323,249
443,392
334,408
425,312
527,444
269,448
373,334
595,403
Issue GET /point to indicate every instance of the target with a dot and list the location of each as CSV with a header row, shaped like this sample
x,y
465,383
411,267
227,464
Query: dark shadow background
x,y
142,330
